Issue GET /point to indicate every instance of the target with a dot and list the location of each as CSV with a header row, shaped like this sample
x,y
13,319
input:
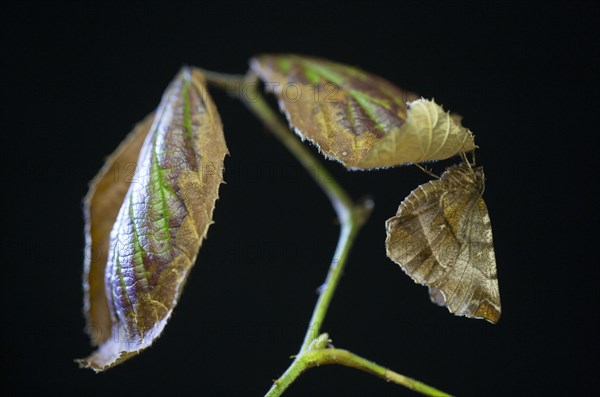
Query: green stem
x,y
315,358
351,216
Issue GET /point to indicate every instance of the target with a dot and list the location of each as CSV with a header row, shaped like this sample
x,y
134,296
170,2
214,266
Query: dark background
x,y
77,77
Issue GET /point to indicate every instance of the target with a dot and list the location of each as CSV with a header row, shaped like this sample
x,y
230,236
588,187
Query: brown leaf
x,y
442,237
161,221
101,207
358,118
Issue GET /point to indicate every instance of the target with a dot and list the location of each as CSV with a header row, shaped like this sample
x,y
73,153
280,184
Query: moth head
x,y
464,175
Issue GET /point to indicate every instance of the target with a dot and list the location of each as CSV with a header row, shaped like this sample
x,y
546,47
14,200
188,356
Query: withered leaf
x,y
442,237
144,231
101,207
358,118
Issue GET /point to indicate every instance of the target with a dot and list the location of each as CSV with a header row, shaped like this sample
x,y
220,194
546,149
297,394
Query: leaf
x,y
357,118
101,207
442,237
136,273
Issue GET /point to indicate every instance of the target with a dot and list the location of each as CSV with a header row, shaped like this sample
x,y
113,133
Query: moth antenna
x,y
465,160
425,170
473,157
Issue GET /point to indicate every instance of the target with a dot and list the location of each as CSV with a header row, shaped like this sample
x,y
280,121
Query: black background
x,y
77,77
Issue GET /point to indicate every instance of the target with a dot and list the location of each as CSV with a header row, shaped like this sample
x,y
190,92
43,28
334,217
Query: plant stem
x,y
351,216
315,358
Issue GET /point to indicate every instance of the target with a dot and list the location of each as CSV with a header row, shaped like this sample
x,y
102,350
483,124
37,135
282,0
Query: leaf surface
x,y
101,207
159,217
357,118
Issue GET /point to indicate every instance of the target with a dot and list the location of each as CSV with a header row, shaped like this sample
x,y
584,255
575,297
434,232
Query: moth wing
x,y
420,238
441,237
470,288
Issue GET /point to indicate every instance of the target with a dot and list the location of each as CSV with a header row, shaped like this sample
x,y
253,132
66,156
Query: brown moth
x,y
442,238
